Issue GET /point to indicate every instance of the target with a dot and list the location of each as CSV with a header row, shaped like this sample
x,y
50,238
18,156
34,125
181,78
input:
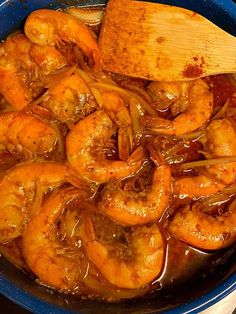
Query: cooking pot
x,y
193,296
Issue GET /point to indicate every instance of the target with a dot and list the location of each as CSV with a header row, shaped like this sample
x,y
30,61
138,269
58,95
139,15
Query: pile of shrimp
x,y
98,170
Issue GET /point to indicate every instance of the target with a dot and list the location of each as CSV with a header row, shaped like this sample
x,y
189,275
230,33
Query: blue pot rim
x,y
36,305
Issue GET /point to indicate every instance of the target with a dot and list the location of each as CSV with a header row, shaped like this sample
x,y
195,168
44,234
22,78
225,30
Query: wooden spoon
x,y
161,42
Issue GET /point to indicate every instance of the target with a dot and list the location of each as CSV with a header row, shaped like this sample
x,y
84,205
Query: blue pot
x,y
194,296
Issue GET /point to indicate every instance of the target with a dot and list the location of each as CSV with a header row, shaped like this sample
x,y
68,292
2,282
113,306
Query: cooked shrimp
x,y
70,99
28,55
221,142
13,61
198,111
197,186
48,59
61,264
18,189
202,230
50,28
130,208
114,106
21,63
16,93
85,148
137,271
17,47
22,132
51,260
165,94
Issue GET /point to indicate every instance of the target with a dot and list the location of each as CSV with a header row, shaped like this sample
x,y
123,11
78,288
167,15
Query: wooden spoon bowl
x,y
162,42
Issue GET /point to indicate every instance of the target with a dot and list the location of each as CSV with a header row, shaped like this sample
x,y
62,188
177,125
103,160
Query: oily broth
x,y
182,262
182,265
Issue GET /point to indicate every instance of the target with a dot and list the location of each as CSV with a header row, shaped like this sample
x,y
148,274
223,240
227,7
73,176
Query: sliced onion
x,y
103,78
82,64
136,112
207,162
125,139
38,197
205,154
97,95
125,93
211,176
84,75
60,141
142,92
173,150
88,16
221,112
57,76
192,136
216,200
229,189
